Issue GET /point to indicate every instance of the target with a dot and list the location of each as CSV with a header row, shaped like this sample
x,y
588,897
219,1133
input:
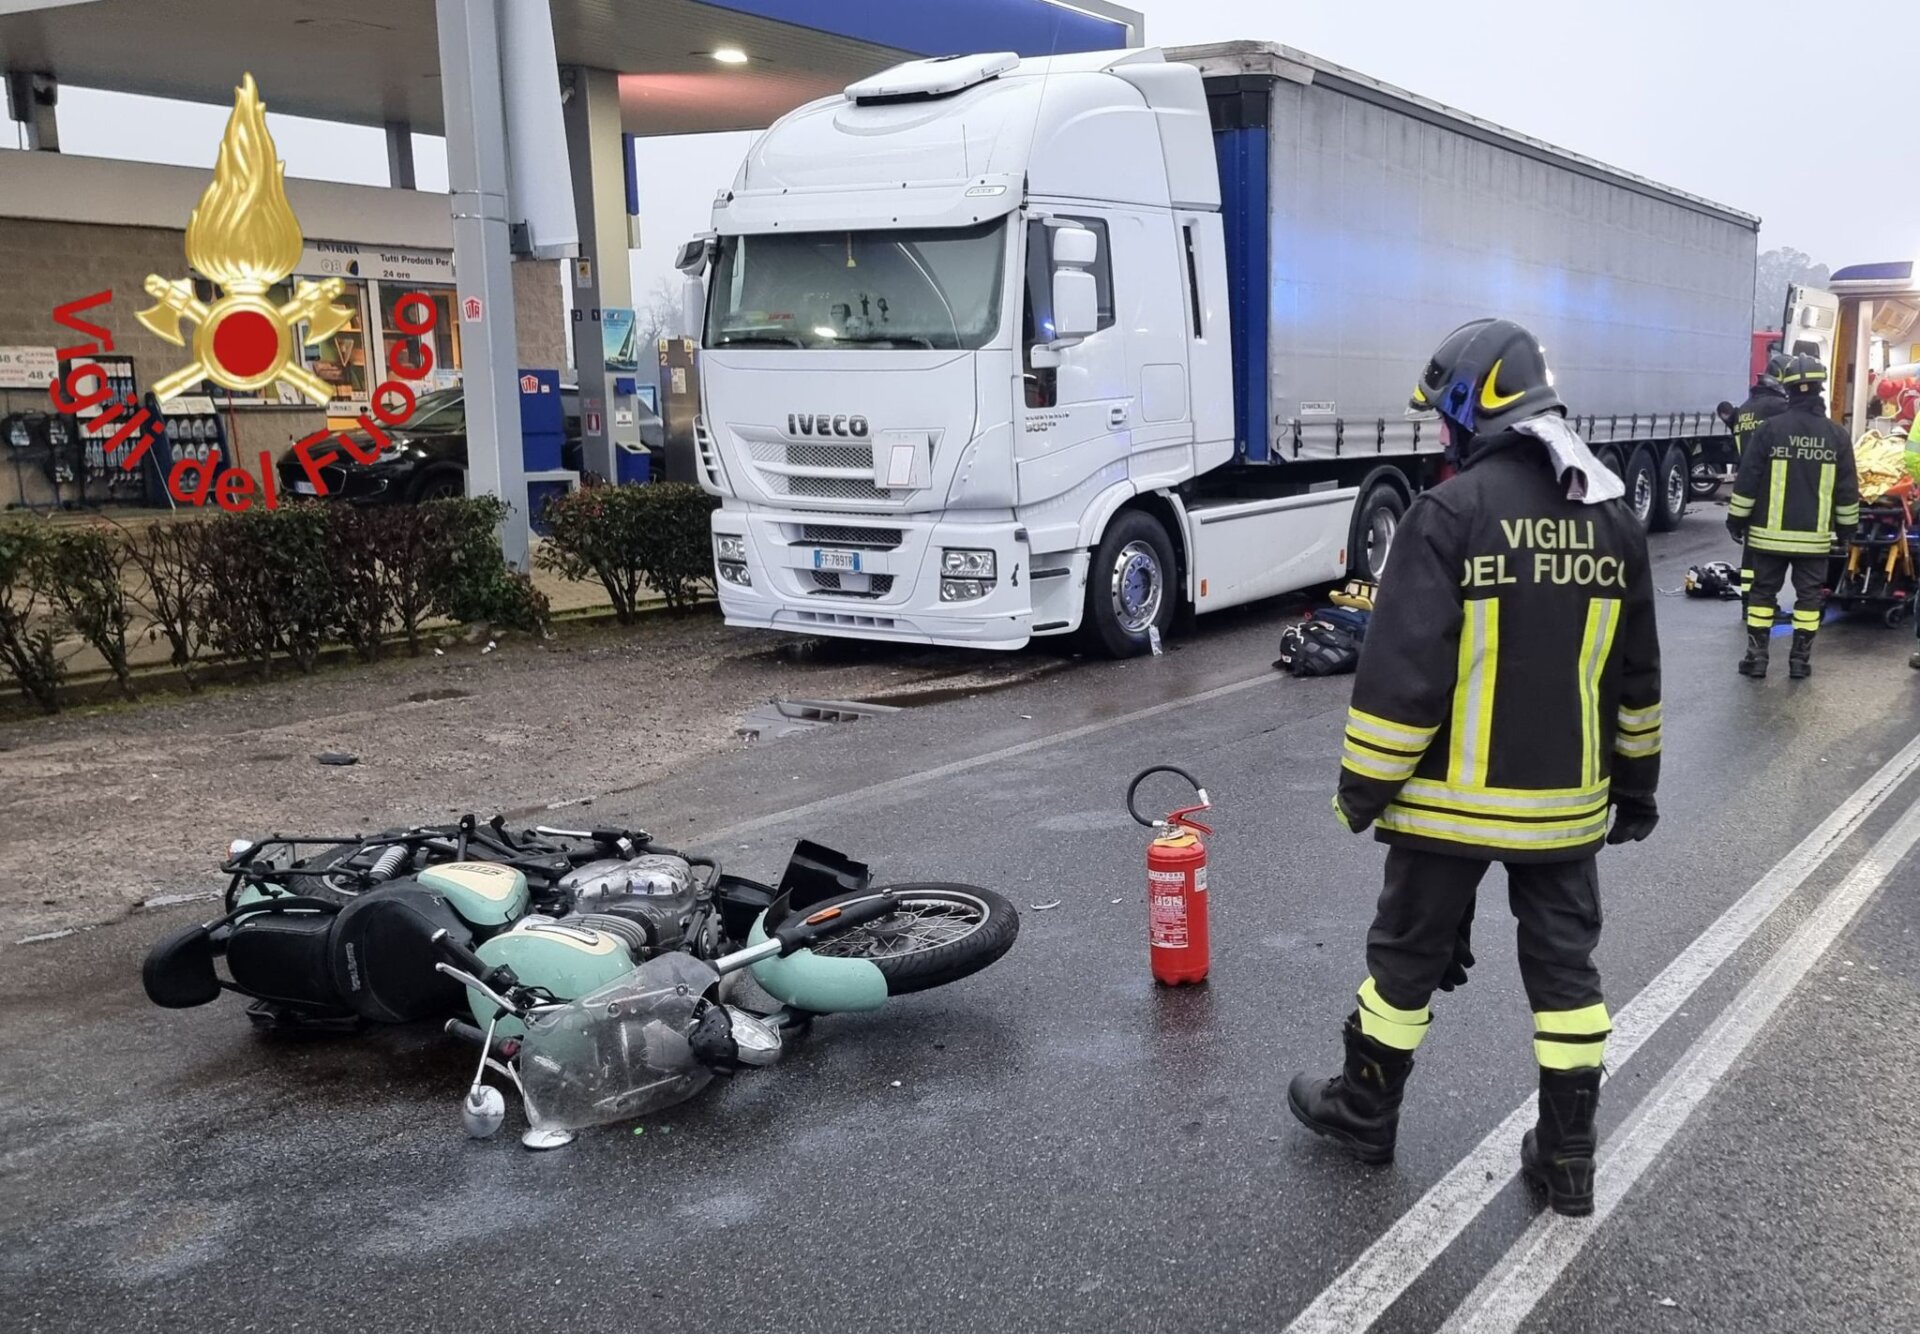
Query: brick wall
x,y
43,264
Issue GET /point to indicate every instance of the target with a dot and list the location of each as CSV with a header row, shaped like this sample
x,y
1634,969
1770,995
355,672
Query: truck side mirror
x,y
693,255
693,306
1076,297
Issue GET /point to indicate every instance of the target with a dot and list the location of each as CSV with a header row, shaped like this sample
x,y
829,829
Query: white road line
x,y
1372,1283
908,781
1525,1275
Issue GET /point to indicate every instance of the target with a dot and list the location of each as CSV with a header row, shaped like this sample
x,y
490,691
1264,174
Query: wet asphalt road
x,y
1067,1148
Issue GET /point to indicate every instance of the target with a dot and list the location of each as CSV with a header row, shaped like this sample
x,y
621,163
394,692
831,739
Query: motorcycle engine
x,y
654,891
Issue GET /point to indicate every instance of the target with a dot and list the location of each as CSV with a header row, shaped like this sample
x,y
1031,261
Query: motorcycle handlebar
x,y
831,921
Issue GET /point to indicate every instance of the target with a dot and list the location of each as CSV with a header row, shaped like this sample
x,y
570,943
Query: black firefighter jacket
x,y
1511,675
1761,407
1797,483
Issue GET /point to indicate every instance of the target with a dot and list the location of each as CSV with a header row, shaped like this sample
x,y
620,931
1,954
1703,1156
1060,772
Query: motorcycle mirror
x,y
483,1111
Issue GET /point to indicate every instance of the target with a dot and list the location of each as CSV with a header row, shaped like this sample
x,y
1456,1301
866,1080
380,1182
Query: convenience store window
x,y
446,327
342,360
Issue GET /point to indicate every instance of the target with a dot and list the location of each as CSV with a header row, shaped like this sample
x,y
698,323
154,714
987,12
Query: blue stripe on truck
x,y
941,28
1242,156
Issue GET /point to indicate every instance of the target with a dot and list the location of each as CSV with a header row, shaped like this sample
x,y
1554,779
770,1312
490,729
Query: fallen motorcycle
x,y
352,933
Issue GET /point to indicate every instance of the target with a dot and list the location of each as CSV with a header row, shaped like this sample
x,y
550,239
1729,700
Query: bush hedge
x,y
633,538
258,587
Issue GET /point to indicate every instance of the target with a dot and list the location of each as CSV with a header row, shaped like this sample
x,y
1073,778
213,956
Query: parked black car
x,y
428,457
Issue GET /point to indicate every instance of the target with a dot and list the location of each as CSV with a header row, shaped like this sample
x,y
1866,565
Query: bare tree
x,y
658,316
1777,270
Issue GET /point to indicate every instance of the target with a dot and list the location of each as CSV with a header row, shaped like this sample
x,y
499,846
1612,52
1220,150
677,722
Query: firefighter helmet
x,y
1485,376
1804,375
1776,367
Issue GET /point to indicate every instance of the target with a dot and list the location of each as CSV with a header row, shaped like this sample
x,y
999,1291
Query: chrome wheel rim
x,y
1676,489
1642,494
1380,530
919,924
1137,587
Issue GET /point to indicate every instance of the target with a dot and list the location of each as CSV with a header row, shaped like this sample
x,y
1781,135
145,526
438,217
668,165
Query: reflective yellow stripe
x,y
1389,1025
1824,519
1777,493
1638,720
1847,516
1760,618
1535,835
1571,1039
1636,747
1603,617
1394,748
1790,542
1740,506
1497,801
1381,732
1369,764
1473,693
1340,814
1806,620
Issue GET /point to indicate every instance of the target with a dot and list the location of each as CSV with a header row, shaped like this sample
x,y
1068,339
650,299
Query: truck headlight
x,y
734,572
729,546
966,564
964,590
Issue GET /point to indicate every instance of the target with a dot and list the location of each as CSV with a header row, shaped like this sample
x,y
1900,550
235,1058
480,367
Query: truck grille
x,y
819,471
835,535
828,581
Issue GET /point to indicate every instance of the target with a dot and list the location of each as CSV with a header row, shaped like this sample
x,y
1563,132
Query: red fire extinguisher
x,y
1177,941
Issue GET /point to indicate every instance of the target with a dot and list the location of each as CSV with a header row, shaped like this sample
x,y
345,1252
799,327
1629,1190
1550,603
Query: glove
x,y
1634,817
1737,530
1456,974
1844,537
1352,826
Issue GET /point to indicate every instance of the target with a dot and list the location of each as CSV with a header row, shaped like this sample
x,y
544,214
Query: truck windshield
x,y
884,289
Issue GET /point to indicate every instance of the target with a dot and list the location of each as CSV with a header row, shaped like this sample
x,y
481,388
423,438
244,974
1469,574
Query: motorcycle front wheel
x,y
938,933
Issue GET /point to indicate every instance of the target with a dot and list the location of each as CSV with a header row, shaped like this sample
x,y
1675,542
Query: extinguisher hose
x,y
1145,774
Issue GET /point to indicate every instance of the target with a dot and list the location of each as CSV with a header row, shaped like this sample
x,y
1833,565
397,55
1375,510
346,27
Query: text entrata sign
x,y
347,259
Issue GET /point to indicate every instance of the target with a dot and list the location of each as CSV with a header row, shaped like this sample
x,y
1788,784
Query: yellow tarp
x,y
1882,463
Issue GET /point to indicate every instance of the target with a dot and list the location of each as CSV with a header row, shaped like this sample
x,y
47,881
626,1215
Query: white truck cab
x,y
925,392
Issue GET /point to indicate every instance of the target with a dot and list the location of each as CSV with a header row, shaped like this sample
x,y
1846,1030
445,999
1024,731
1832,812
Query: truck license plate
x,y
301,487
836,560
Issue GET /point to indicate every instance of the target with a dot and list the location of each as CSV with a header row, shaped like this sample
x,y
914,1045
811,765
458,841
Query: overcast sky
x,y
1811,126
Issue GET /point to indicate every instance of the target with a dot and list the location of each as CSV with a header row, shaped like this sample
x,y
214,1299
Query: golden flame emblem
x,y
243,236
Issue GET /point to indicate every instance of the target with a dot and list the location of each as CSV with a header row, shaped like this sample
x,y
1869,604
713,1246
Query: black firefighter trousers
x,y
1428,905
1768,572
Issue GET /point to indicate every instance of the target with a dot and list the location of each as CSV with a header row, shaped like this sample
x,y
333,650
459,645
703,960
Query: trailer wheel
x,y
1672,489
1643,487
1130,588
1375,520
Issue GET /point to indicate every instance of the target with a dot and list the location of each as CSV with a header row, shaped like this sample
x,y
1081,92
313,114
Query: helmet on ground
x,y
1485,376
1804,375
1716,579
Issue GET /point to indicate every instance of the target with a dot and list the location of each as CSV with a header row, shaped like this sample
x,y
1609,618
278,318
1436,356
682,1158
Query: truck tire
x,y
1130,586
1375,520
1643,486
1672,487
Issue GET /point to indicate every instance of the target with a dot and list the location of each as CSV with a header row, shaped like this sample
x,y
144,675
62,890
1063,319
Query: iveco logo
x,y
819,423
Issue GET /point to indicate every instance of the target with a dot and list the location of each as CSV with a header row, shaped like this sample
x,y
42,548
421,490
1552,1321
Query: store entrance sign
x,y
28,367
349,259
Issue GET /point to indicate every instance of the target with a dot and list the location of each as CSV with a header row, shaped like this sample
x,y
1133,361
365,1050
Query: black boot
x,y
1800,656
1557,1154
1755,663
1360,1106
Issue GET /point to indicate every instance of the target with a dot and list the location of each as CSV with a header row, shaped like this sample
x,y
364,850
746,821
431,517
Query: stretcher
x,y
1876,569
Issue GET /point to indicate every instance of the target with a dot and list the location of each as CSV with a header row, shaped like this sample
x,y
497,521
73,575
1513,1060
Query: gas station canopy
x,y
377,62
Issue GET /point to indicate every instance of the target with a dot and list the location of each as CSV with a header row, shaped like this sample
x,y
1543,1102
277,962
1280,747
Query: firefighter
x,y
1797,489
1507,699
1767,400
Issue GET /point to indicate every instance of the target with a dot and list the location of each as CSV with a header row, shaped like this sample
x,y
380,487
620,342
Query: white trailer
x,y
998,348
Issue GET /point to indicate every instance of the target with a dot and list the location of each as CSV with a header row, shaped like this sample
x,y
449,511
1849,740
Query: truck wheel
x,y
1375,520
1670,500
1643,487
1130,586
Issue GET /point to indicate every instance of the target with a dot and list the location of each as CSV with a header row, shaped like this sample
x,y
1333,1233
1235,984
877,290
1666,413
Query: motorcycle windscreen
x,y
620,1052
